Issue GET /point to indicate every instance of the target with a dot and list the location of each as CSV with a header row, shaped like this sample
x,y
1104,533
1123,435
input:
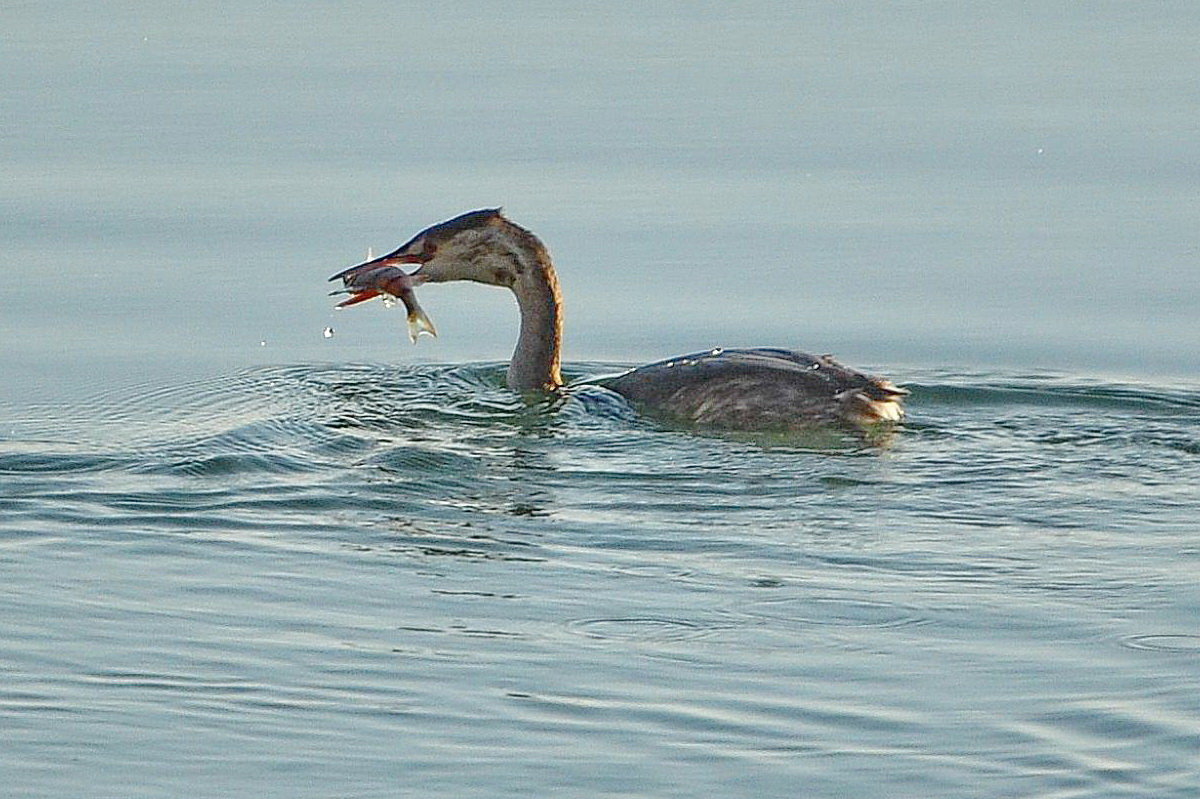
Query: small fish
x,y
390,283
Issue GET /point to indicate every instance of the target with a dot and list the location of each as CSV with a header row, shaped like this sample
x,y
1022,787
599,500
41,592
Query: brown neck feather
x,y
536,361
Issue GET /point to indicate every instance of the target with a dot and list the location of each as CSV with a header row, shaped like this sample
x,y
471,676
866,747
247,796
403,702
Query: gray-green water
x,y
376,581
240,558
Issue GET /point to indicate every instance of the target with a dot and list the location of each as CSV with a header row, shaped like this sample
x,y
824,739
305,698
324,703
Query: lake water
x,y
238,556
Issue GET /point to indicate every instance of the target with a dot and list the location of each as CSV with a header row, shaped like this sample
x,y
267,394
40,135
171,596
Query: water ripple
x,y
376,549
1050,391
641,629
1177,643
836,611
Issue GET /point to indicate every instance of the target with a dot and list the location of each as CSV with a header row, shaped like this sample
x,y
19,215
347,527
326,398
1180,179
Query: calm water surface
x,y
239,557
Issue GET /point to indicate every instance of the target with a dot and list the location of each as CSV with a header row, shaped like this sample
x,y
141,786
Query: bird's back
x,y
759,389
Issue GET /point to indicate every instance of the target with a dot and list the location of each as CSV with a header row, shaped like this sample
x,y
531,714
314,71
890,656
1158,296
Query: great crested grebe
x,y
733,389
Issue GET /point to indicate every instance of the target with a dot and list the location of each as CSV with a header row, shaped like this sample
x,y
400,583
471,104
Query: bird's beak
x,y
396,260
391,259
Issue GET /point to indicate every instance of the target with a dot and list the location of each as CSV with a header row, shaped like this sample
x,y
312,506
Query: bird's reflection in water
x,y
495,515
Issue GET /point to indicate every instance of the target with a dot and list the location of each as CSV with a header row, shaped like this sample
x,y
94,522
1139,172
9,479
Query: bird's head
x,y
481,246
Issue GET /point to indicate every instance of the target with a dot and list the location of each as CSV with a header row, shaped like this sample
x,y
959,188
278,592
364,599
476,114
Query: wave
x,y
306,417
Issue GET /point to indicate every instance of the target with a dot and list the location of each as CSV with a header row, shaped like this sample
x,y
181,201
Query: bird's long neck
x,y
535,362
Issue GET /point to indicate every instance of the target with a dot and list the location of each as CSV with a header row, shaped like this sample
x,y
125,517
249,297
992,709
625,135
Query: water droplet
x,y
717,350
262,343
327,332
388,300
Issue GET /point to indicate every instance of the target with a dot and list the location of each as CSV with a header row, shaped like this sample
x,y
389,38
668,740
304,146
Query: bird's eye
x,y
428,249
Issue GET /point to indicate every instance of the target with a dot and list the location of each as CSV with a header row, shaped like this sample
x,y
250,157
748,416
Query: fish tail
x,y
418,323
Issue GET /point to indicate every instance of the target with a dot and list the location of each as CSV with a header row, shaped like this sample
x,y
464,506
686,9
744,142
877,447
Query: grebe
x,y
733,389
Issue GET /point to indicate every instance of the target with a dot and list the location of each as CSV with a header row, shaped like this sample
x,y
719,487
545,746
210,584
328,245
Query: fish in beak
x,y
383,277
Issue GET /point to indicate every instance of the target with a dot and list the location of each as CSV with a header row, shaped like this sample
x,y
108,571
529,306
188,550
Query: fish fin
x,y
361,296
418,323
